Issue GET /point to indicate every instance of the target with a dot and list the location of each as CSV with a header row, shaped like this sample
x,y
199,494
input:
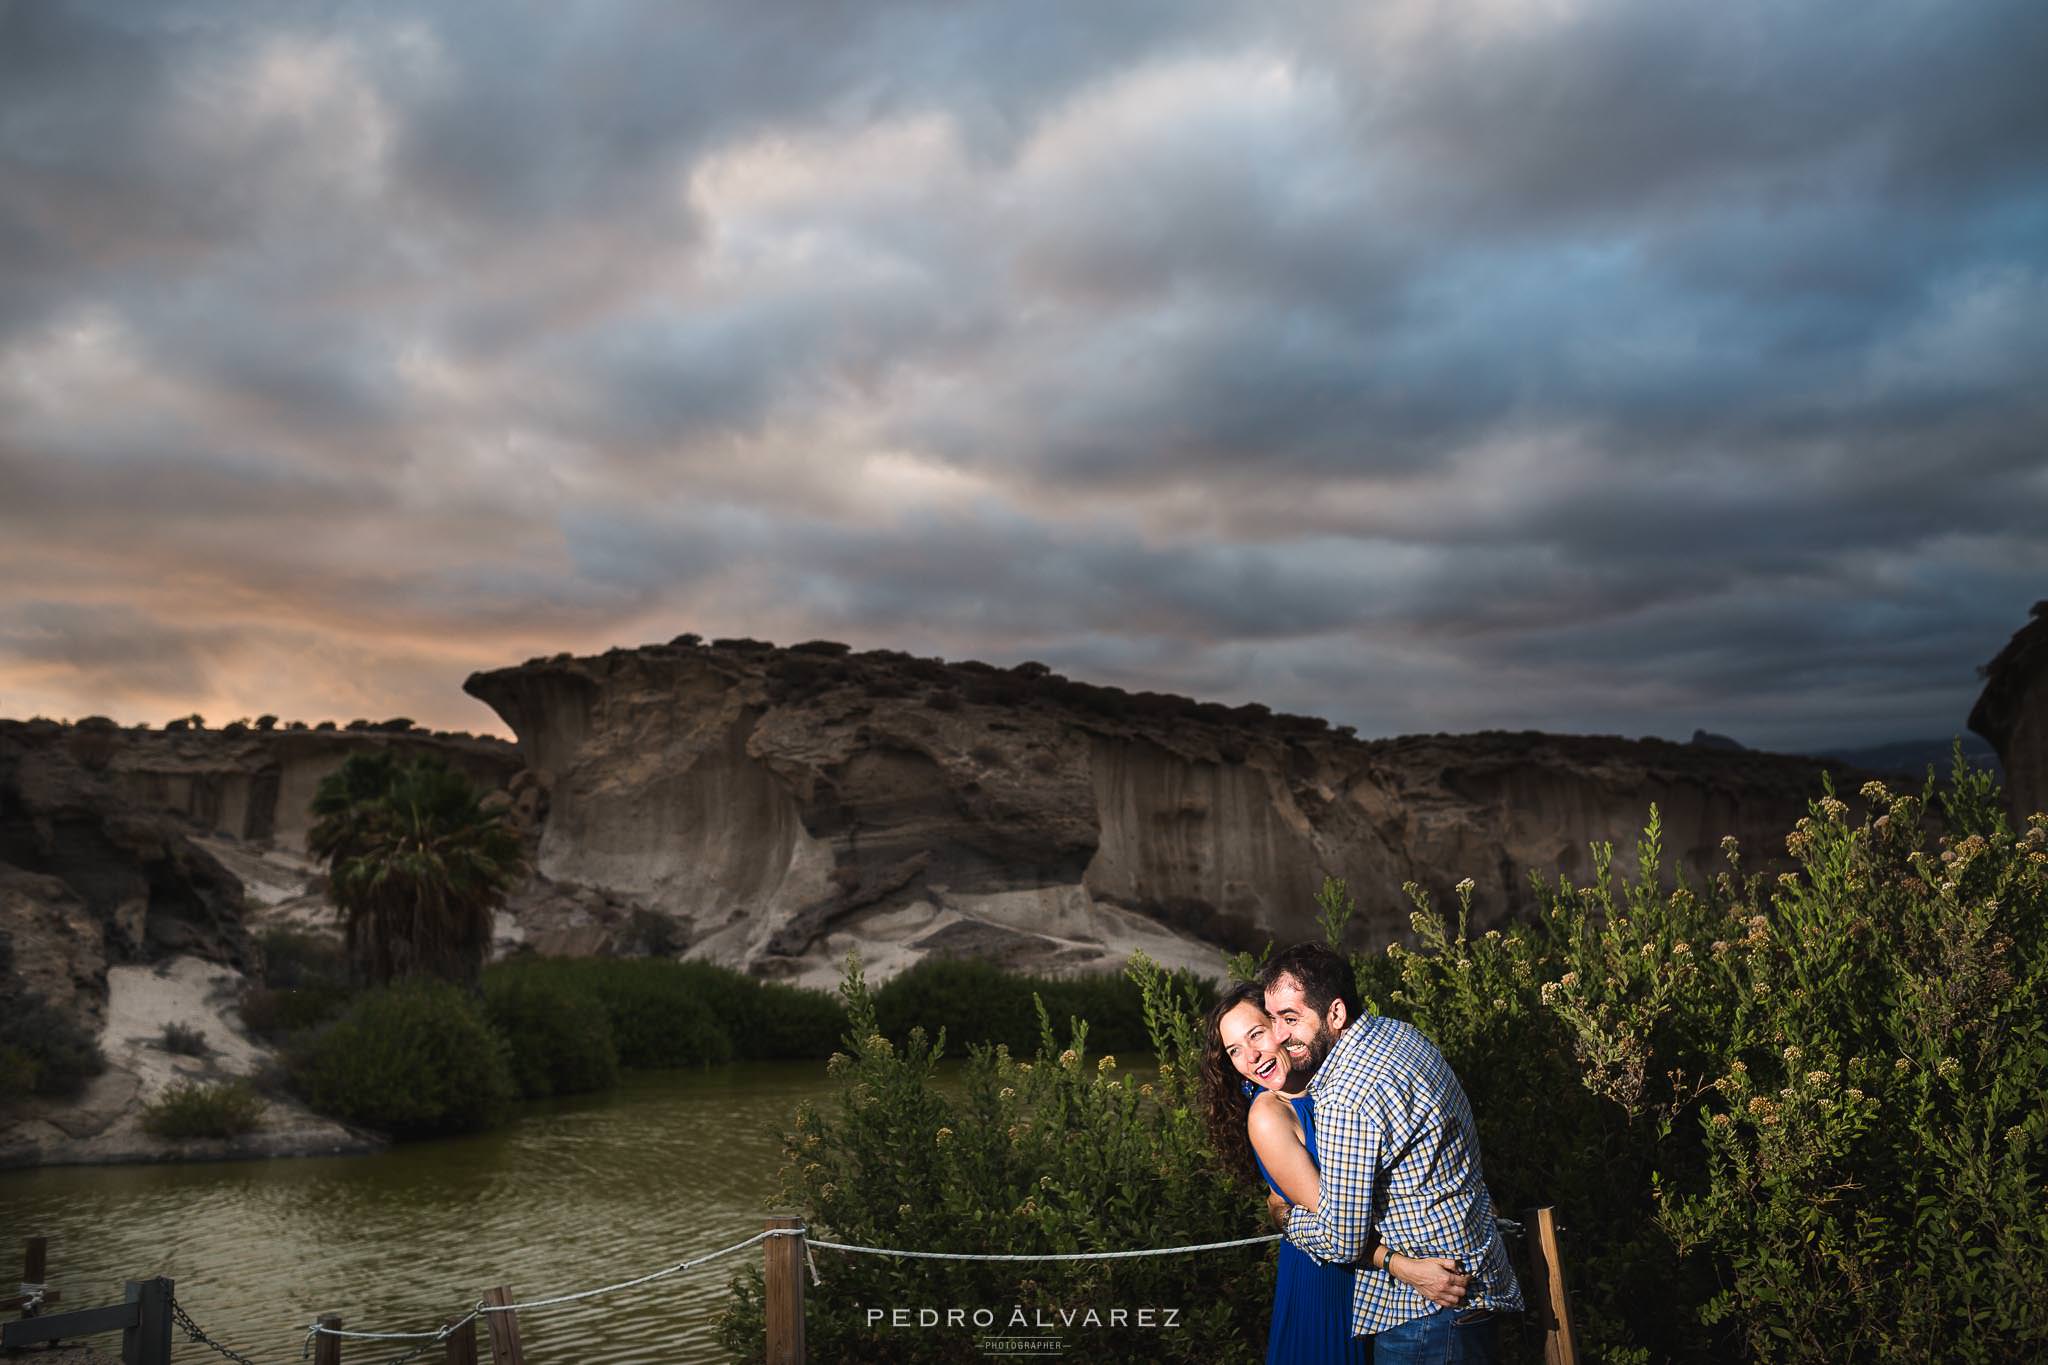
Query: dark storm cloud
x,y
1611,366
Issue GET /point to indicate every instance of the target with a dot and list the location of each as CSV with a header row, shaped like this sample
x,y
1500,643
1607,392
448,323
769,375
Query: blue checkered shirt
x,y
1399,1152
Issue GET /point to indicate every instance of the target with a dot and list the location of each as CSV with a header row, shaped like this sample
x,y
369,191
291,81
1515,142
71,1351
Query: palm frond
x,y
416,866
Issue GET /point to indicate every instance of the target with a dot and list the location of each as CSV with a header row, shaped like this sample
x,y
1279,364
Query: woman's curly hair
x,y
1225,1106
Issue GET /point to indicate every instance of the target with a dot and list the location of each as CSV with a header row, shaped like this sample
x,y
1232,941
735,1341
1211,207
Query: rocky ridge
x,y
790,804
256,785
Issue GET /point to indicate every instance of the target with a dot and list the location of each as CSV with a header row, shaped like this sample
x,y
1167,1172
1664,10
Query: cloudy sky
x,y
1562,364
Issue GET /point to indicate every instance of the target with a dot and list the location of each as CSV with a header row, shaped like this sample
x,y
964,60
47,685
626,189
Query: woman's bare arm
x,y
1277,1139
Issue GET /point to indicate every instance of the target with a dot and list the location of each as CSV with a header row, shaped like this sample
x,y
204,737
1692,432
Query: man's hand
x,y
1436,1278
1278,1208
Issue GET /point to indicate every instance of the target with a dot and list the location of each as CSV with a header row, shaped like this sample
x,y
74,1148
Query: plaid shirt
x,y
1399,1151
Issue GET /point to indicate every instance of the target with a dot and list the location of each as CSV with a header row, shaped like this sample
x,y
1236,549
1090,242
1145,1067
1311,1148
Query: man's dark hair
x,y
1324,976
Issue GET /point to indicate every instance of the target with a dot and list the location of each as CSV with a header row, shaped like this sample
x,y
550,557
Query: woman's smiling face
x,y
1247,1038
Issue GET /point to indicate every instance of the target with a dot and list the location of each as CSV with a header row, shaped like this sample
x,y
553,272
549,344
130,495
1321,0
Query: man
x,y
1399,1157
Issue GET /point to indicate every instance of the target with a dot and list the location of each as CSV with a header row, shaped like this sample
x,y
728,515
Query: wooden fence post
x,y
462,1343
504,1329
1546,1292
148,1342
783,1298
326,1349
35,1266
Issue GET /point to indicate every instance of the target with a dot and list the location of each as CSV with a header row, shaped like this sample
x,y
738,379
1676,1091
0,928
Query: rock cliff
x,y
121,915
793,803
2012,712
257,785
83,865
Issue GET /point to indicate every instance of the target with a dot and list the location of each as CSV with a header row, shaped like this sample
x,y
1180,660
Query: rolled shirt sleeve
x,y
1341,1225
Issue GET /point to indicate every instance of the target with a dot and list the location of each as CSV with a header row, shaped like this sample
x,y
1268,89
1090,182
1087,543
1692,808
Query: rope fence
x,y
321,1328
1042,1256
783,1298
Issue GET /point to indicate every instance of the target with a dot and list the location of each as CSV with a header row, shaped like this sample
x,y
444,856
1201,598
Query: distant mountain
x,y
1901,756
1913,756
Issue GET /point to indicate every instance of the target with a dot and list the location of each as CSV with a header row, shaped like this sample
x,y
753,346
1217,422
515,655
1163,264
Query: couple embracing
x,y
1366,1140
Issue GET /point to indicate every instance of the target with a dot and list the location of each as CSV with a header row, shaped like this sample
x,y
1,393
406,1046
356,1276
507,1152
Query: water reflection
x,y
576,1194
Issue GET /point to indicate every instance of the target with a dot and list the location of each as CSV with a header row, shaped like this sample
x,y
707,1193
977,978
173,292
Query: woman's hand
x,y
1436,1278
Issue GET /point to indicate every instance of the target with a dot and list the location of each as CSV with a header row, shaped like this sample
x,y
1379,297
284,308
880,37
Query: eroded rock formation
x,y
795,802
257,785
79,860
117,915
2012,712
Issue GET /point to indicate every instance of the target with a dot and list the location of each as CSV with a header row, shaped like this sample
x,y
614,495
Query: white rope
x,y
319,1329
322,1330
1046,1256
33,1293
678,1268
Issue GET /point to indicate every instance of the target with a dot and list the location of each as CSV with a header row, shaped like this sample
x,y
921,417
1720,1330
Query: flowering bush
x,y
1061,1153
1788,1120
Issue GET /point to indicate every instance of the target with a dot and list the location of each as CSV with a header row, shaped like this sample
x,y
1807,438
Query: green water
x,y
575,1194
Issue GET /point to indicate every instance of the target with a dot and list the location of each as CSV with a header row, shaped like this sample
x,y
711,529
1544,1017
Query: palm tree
x,y
415,866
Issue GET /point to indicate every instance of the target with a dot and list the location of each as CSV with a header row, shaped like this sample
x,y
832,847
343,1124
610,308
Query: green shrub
x,y
659,1019
1787,1120
978,1002
276,1014
185,1040
305,984
44,1051
299,957
190,1109
767,1021
413,1059
558,1040
1057,1154
665,1013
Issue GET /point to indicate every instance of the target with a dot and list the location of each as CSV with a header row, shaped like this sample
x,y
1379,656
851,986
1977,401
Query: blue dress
x,y
1311,1298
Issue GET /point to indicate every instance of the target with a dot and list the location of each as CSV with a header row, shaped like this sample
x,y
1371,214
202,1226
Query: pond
x,y
577,1193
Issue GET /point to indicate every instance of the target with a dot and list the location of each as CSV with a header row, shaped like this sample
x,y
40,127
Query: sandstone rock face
x,y
2012,713
73,845
793,803
121,917
50,944
257,785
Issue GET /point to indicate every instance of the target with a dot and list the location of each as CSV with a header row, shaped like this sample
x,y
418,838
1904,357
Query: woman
x,y
1260,1120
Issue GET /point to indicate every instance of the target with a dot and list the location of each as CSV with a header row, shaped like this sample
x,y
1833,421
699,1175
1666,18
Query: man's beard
x,y
1303,1066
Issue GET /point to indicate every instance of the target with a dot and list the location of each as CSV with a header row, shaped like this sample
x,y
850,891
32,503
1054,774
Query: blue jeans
x,y
1439,1338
